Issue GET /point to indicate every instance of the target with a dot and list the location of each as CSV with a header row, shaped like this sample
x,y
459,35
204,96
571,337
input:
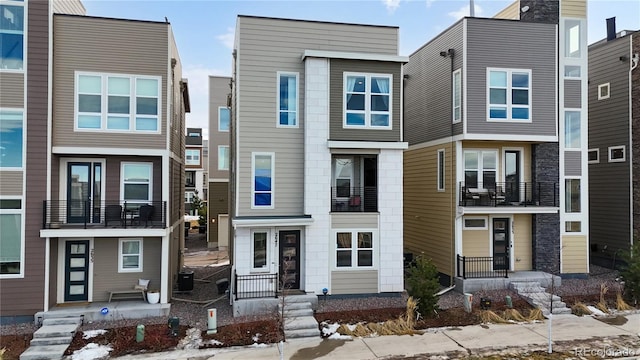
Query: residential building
x,y
496,120
218,179
194,169
614,130
316,158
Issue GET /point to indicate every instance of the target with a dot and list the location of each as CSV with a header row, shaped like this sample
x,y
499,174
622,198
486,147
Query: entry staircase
x,y
53,338
537,296
298,316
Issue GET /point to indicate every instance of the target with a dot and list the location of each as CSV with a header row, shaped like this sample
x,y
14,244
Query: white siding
x,y
390,208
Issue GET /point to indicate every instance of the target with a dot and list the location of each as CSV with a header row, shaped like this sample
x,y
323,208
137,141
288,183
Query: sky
x,y
204,29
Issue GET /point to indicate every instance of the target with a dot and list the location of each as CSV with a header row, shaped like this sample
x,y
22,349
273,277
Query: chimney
x,y
611,28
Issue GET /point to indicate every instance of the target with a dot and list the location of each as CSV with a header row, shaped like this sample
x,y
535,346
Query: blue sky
x,y
204,29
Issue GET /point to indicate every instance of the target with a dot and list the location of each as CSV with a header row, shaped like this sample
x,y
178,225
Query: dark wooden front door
x,y
289,259
501,243
76,270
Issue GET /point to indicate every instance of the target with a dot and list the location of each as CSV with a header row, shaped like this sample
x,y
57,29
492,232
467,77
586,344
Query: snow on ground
x,y
260,345
91,352
329,329
92,333
337,336
595,311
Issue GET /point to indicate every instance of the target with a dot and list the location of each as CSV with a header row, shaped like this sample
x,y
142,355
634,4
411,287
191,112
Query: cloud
x,y
391,5
198,77
464,11
228,38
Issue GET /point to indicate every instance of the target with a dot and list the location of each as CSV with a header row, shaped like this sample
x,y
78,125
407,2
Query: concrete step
x,y
58,340
309,298
63,321
49,352
524,285
306,322
289,314
301,333
55,331
295,306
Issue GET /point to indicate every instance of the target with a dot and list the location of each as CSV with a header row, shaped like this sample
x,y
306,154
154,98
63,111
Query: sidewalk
x,y
570,334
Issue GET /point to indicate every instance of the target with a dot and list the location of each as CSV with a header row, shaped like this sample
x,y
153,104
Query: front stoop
x,y
52,339
536,295
298,318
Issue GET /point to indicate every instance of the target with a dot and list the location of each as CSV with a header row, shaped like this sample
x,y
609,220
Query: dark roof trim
x,y
112,18
316,21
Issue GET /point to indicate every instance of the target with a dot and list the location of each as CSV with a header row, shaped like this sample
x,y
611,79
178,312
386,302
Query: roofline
x,y
112,18
316,21
604,41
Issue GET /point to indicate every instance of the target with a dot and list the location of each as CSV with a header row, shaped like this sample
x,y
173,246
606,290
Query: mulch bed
x,y
14,345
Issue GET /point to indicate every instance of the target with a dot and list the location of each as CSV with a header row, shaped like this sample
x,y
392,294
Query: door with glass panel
x,y
84,195
76,270
290,259
501,243
512,176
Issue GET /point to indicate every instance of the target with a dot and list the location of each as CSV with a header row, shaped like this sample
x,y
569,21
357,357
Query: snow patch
x,y
91,352
258,345
337,336
595,311
329,329
92,333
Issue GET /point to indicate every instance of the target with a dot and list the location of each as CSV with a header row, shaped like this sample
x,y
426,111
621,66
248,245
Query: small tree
x,y
631,273
423,284
200,209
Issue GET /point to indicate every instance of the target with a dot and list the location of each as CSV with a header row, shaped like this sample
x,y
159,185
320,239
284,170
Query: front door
x,y
290,259
76,270
84,192
501,243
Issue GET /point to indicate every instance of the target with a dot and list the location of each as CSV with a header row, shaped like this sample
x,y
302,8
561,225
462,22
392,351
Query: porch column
x,y
164,270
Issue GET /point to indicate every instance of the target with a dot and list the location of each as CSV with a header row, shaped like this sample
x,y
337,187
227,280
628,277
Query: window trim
x,y
278,111
20,212
122,182
456,87
140,255
597,160
253,182
354,250
220,147
624,153
480,169
187,163
25,29
567,196
440,160
603,86
265,268
219,117
23,150
509,103
367,102
484,218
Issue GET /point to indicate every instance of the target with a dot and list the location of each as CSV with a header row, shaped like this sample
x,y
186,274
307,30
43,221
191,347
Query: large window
x,y
11,138
509,94
130,255
457,95
224,118
572,129
192,157
572,38
262,184
136,181
367,100
223,157
11,242
354,249
117,102
259,250
572,195
287,99
480,168
441,170
12,35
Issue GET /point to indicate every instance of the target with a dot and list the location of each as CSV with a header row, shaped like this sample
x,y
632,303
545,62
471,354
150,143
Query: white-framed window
x,y
12,138
192,157
572,71
11,238
259,250
593,156
572,37
480,168
287,99
572,133
354,249
117,102
457,96
604,91
130,255
223,157
572,226
441,170
224,118
262,184
188,196
136,184
367,100
617,153
572,195
508,94
12,37
474,223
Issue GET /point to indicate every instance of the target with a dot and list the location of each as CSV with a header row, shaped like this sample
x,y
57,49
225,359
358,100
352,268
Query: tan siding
x,y
354,282
522,242
510,12
428,213
476,242
573,8
218,92
12,90
106,46
354,220
574,254
11,183
69,7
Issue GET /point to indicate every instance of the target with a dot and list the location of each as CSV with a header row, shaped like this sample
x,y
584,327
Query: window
x,y
594,156
12,35
354,249
572,71
572,195
130,255
441,170
117,102
11,138
11,237
287,101
223,157
603,91
188,196
457,95
190,177
572,226
474,223
367,101
259,250
343,176
572,38
262,184
616,154
224,118
509,95
572,129
136,181
480,168
192,156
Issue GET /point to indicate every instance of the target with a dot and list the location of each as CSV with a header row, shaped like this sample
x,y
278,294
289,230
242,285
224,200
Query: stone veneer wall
x,y
546,227
542,11
635,106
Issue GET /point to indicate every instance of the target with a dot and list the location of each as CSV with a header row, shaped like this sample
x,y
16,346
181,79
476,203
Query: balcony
x,y
510,194
354,199
109,214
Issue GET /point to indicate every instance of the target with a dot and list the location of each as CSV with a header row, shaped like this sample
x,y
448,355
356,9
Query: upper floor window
x,y
480,168
572,38
11,238
457,95
190,177
367,100
117,102
262,180
224,118
11,138
192,156
223,157
12,35
572,129
509,94
136,181
603,91
617,153
287,99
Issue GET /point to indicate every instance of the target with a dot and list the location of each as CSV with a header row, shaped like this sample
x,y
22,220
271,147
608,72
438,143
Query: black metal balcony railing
x,y
510,194
255,286
113,214
354,199
482,267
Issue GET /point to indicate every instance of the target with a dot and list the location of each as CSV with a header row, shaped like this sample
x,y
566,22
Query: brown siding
x,y
112,176
53,272
218,204
635,111
12,90
218,91
572,94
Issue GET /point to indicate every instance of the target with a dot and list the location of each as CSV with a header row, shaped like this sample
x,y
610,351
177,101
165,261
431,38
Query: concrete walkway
x,y
577,335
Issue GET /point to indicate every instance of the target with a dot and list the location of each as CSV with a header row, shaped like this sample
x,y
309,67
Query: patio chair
x,y
144,214
113,213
